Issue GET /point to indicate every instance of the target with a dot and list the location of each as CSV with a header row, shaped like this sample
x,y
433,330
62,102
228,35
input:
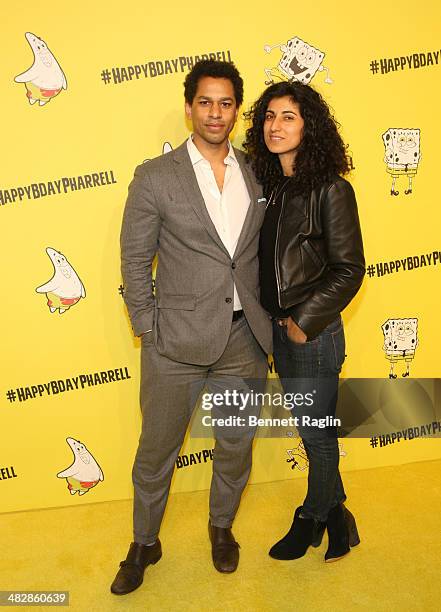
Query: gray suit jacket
x,y
191,309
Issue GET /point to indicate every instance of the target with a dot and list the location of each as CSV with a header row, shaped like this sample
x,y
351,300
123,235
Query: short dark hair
x,y
217,70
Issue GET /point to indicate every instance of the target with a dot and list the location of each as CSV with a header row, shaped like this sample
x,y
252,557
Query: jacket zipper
x,y
276,247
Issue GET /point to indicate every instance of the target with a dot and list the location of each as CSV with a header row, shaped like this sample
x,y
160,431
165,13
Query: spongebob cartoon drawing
x,y
402,155
300,62
400,342
299,459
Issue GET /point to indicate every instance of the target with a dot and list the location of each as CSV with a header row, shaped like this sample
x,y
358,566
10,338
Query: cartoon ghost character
x,y
400,342
44,79
402,155
166,148
84,473
64,289
300,61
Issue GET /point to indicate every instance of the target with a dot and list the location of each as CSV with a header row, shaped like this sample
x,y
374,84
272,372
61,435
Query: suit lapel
x,y
254,216
187,178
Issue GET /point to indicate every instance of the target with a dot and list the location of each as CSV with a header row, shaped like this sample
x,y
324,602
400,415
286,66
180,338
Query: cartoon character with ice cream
x,y
44,79
84,473
64,289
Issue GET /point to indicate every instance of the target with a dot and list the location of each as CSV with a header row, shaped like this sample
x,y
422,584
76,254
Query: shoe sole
x,y
332,559
354,542
292,559
287,558
223,571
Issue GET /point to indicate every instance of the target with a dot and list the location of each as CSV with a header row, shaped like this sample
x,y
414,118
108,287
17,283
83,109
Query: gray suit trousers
x,y
167,389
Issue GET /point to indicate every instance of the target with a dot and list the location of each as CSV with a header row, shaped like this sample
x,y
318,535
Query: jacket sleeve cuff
x,y
143,323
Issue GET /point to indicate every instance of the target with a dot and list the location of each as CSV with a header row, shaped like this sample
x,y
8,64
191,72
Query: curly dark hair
x,y
217,70
321,154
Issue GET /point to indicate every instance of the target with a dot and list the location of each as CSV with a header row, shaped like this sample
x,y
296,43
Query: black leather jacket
x,y
319,257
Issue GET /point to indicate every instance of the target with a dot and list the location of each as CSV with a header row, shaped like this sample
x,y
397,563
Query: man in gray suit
x,y
199,209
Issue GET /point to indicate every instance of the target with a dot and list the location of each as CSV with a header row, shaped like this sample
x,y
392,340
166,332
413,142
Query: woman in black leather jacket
x,y
311,266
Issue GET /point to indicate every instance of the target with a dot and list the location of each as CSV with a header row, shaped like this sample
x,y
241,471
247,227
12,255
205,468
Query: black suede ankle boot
x,y
342,533
317,534
294,545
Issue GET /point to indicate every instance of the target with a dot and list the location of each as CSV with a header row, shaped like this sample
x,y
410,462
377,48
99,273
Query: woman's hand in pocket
x,y
295,334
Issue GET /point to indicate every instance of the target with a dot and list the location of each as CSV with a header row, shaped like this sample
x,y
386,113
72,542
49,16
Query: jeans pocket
x,y
300,345
304,357
339,345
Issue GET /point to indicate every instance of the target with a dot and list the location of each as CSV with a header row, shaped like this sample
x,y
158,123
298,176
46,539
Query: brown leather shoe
x,y
224,549
131,572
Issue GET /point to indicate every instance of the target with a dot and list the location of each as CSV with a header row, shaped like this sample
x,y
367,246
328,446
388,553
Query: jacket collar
x,y
187,178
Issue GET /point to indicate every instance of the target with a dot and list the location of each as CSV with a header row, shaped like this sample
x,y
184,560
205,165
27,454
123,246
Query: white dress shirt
x,y
228,209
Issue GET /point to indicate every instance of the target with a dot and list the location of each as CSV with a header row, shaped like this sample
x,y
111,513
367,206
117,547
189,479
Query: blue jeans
x,y
315,365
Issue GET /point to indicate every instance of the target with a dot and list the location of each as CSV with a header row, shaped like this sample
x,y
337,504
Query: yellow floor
x,y
396,566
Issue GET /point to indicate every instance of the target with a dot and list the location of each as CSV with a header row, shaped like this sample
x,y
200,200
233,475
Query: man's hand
x,y
295,334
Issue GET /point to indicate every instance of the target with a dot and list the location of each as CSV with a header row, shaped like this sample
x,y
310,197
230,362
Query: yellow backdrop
x,y
105,93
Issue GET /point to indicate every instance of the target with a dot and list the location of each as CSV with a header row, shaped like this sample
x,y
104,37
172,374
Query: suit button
x,y
233,265
228,300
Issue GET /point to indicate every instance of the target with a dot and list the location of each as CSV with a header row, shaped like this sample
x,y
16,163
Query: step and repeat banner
x,y
89,94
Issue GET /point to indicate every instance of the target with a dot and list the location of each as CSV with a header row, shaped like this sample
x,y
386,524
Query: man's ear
x,y
188,110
